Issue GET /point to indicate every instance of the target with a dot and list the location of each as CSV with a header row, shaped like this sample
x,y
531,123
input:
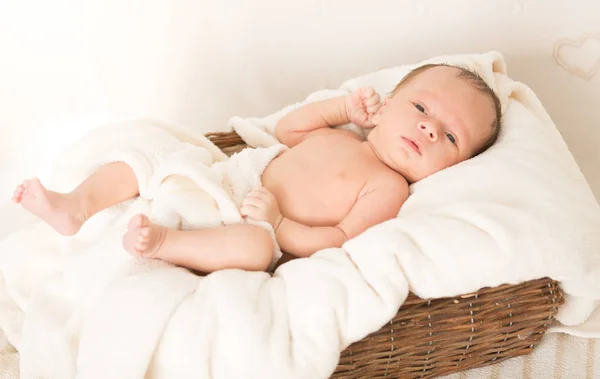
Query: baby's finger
x,y
256,194
260,190
373,100
248,210
253,201
263,190
373,108
366,92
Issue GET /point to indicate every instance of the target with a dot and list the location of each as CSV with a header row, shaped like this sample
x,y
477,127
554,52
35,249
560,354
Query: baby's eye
x,y
420,108
451,138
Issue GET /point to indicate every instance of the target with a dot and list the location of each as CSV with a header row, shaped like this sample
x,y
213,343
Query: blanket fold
x,y
83,308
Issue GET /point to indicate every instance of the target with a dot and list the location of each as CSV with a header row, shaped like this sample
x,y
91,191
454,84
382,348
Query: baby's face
x,y
432,122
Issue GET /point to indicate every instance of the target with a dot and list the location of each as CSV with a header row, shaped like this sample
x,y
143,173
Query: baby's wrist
x,y
346,108
277,222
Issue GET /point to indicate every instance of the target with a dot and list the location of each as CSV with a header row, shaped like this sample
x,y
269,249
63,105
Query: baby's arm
x,y
302,241
357,107
374,207
293,237
377,205
380,204
292,128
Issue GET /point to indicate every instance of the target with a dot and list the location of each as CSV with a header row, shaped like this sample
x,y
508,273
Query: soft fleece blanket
x,y
83,308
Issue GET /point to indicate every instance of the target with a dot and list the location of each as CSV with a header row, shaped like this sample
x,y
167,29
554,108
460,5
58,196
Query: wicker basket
x,y
429,338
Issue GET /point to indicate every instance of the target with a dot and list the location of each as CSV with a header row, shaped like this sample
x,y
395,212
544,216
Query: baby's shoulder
x,y
383,196
388,183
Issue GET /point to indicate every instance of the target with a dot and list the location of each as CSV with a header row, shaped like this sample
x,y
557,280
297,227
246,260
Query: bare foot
x,y
64,212
143,238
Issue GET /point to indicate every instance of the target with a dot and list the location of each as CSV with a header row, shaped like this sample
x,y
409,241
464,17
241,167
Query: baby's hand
x,y
361,106
261,205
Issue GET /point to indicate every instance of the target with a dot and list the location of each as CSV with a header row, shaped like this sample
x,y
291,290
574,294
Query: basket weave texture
x,y
433,337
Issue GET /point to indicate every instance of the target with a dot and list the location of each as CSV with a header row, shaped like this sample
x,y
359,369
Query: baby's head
x,y
436,117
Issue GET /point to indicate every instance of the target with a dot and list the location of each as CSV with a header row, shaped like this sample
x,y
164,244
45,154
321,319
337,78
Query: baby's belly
x,y
309,196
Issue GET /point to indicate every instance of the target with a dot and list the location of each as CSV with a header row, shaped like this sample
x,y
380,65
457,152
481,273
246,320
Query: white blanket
x,y
83,308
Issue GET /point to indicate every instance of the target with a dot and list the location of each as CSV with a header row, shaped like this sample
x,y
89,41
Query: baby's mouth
x,y
412,145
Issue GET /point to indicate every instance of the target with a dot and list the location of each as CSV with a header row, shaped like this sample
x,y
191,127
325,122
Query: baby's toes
x,y
141,248
141,243
137,221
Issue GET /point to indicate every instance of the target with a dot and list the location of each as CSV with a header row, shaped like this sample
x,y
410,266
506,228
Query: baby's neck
x,y
370,149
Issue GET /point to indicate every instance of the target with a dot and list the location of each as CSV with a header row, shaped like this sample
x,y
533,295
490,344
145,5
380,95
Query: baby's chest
x,y
320,202
318,190
333,172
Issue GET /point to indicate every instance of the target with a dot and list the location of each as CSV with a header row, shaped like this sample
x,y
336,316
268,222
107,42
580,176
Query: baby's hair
x,y
474,79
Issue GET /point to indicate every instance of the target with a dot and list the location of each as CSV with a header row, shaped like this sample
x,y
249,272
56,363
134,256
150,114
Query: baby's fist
x,y
361,106
261,205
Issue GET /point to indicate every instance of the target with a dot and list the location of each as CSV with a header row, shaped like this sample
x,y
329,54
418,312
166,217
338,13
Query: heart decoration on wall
x,y
579,57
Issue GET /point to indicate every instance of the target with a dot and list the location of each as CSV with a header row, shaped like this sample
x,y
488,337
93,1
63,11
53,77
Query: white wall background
x,y
69,65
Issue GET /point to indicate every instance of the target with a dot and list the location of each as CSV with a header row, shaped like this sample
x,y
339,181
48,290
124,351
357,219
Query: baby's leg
x,y
66,212
242,246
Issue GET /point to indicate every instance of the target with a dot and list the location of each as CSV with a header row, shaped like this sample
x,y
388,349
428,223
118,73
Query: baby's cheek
x,y
451,160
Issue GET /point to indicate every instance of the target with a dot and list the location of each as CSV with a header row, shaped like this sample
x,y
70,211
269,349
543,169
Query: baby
x,y
328,187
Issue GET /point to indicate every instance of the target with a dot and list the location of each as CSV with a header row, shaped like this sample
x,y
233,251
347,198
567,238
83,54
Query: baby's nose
x,y
429,129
